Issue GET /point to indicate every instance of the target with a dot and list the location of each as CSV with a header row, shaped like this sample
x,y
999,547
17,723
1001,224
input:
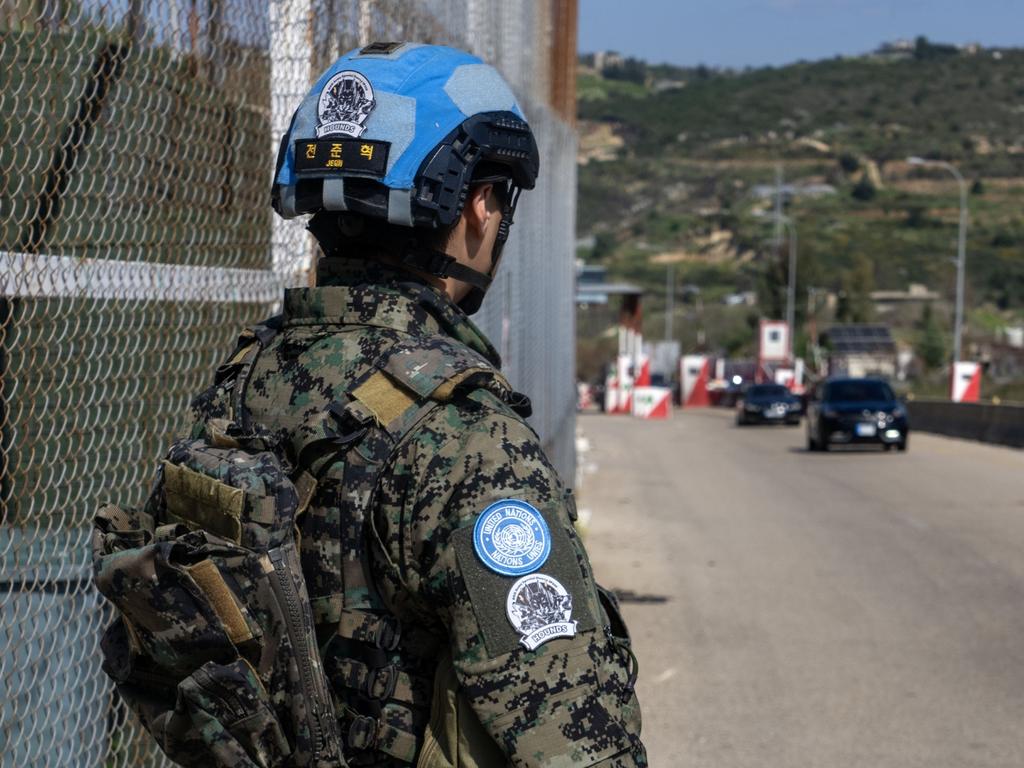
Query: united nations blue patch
x,y
512,538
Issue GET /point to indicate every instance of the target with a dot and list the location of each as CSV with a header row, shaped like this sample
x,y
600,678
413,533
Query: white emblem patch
x,y
345,103
540,609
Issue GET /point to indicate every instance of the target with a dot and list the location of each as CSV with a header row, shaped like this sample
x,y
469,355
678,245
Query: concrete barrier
x,y
1001,424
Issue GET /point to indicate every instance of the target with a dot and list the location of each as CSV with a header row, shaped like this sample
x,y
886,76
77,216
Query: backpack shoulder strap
x,y
354,441
238,368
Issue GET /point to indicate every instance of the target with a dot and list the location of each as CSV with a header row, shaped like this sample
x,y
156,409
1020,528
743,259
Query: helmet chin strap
x,y
442,265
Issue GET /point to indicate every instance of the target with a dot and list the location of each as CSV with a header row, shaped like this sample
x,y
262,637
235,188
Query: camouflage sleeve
x,y
537,648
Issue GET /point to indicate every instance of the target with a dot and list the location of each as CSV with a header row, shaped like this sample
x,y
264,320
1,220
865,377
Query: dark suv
x,y
855,411
768,404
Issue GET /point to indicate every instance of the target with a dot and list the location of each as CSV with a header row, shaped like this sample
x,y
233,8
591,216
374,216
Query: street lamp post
x,y
790,225
961,256
791,288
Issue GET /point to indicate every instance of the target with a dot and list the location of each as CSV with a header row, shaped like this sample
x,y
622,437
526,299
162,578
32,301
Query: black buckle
x,y
362,733
351,428
381,682
388,633
432,262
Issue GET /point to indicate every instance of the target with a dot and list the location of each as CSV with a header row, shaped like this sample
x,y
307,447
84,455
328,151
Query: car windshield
x,y
767,390
858,391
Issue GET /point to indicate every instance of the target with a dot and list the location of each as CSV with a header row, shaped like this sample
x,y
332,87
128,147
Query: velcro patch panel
x,y
341,156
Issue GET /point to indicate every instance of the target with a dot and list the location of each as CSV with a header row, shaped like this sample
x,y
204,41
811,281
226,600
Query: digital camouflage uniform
x,y
569,702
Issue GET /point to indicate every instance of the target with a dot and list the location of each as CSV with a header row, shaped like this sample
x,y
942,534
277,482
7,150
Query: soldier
x,y
456,610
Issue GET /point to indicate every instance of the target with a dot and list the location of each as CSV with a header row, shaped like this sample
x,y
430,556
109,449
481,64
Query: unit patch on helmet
x,y
540,609
344,104
511,538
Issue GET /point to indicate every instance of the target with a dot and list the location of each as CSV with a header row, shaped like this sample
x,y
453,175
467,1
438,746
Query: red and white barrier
x,y
695,373
611,395
643,373
652,402
966,384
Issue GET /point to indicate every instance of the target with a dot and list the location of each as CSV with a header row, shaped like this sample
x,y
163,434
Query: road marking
x,y
665,676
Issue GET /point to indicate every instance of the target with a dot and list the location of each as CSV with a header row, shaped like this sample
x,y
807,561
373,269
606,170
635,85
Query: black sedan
x,y
768,404
847,411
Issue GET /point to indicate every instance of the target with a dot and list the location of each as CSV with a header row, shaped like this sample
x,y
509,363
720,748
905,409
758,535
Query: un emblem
x,y
512,538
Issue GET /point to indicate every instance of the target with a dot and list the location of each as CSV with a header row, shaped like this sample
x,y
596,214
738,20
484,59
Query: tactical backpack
x,y
215,646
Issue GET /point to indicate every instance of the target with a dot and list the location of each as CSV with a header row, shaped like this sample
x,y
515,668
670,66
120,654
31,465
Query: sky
x,y
739,33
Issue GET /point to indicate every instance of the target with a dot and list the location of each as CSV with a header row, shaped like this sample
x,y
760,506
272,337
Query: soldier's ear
x,y
479,207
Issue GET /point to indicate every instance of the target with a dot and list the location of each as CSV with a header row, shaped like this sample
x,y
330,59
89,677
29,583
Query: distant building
x,y
607,59
895,50
741,299
916,293
1014,336
790,191
592,288
661,86
860,350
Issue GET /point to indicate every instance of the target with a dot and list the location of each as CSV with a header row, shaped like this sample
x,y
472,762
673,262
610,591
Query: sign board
x,y
773,342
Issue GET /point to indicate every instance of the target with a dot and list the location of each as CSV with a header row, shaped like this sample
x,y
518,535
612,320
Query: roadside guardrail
x,y
1002,424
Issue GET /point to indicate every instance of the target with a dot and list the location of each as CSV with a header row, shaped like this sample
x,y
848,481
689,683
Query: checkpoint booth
x,y
631,367
694,376
965,386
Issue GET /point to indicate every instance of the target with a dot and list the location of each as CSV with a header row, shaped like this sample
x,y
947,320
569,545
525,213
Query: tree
x,y
864,190
856,285
931,342
925,50
849,162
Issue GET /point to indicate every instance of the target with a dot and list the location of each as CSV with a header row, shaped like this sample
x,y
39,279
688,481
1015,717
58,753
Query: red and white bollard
x,y
965,386
652,402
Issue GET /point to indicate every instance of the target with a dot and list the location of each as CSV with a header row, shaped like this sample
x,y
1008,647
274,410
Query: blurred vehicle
x,y
845,411
768,404
726,393
584,396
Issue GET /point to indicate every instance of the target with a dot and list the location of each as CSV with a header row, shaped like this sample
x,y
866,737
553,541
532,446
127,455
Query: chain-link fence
x,y
136,144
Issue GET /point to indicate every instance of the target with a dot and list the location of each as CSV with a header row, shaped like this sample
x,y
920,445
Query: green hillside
x,y
671,161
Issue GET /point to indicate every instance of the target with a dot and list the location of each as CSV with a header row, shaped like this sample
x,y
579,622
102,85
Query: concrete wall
x,y
1002,424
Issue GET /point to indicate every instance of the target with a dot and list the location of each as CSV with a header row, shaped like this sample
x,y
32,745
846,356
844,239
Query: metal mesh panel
x,y
136,143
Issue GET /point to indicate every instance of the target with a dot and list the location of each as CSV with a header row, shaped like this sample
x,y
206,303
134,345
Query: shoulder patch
x,y
511,538
540,609
488,591
426,365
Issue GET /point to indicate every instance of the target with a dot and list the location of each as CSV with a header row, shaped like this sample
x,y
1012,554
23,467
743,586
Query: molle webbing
x,y
199,501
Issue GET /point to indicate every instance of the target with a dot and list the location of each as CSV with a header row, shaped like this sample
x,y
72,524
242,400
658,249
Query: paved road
x,y
813,610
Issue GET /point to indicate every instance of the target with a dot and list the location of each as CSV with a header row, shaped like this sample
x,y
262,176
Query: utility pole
x,y
791,292
778,211
670,289
961,248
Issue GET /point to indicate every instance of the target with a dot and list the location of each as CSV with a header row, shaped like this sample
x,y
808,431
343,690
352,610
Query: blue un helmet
x,y
398,132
